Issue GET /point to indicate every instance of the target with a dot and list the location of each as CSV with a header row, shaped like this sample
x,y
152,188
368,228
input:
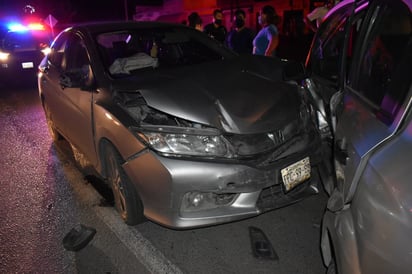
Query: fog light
x,y
196,201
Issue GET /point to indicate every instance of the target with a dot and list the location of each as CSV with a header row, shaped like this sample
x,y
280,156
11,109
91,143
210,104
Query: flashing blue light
x,y
17,27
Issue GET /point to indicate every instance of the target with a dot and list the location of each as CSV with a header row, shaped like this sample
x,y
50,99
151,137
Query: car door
x,y
374,100
328,64
69,101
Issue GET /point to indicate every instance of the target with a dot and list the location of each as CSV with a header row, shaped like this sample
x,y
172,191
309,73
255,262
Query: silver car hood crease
x,y
239,102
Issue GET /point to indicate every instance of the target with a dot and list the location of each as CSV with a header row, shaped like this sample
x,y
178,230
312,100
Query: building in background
x,y
291,11
295,36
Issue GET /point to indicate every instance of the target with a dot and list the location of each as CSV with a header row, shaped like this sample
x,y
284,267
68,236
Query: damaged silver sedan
x,y
184,131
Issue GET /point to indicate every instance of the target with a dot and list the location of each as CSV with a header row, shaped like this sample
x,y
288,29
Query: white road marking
x,y
145,252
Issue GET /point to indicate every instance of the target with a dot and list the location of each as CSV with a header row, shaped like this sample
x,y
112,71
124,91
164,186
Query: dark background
x,y
68,11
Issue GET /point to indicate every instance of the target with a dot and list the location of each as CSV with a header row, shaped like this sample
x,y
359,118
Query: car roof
x,y
360,3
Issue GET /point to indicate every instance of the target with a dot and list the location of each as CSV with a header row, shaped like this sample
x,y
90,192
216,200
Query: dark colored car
x,y
22,48
360,64
185,132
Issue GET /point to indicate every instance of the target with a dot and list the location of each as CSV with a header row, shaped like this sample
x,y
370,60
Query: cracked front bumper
x,y
182,193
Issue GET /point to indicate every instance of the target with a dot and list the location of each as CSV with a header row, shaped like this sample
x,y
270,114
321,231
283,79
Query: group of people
x,y
241,38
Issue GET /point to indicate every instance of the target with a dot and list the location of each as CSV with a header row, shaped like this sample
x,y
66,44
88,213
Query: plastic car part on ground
x,y
261,246
78,238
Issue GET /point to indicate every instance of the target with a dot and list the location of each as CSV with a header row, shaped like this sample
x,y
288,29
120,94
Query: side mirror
x,y
294,71
70,80
65,81
79,78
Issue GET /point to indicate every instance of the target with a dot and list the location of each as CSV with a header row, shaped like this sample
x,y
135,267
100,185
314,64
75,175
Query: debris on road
x,y
261,246
77,239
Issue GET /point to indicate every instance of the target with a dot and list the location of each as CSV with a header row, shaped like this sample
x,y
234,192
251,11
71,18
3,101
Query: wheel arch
x,y
101,149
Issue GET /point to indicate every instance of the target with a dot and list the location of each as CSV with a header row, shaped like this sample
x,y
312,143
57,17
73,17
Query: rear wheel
x,y
127,202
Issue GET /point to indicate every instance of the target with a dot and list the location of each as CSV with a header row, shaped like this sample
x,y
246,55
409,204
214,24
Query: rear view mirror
x,y
294,71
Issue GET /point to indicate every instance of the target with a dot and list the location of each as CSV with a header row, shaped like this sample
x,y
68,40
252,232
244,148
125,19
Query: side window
x,y
57,51
353,40
384,78
76,57
328,43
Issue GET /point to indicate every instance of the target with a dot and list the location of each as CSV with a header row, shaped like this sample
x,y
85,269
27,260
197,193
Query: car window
x,y
55,56
76,57
126,51
26,41
353,39
328,43
383,77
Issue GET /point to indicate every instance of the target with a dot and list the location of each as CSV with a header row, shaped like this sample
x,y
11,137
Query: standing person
x,y
315,18
240,38
267,39
195,21
216,29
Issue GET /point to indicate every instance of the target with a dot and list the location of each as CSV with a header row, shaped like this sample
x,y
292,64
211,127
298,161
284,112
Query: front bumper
x,y
231,191
21,63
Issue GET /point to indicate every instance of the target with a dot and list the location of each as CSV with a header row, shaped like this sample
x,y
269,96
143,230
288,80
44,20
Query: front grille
x,y
275,197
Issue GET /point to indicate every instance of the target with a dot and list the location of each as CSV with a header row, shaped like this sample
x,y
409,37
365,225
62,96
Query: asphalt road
x,y
43,195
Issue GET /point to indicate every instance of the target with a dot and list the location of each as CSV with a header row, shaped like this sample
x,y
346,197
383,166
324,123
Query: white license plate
x,y
296,173
27,65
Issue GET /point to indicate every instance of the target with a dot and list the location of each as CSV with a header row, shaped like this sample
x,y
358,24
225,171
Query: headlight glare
x,y
4,56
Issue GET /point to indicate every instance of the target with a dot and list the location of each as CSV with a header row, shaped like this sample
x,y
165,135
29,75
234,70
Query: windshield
x,y
125,52
26,41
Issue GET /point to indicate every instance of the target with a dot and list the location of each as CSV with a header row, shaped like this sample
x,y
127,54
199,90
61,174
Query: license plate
x,y
27,65
296,173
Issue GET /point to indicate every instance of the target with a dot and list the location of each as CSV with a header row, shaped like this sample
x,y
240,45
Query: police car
x,y
22,46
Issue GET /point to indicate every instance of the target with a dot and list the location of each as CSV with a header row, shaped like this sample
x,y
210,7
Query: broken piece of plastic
x,y
77,239
261,246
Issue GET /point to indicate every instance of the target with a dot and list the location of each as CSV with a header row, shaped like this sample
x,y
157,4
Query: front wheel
x,y
54,134
127,202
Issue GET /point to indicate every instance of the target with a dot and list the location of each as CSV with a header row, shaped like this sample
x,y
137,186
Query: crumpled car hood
x,y
224,95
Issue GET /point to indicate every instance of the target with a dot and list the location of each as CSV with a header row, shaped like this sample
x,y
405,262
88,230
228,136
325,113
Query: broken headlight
x,y
186,141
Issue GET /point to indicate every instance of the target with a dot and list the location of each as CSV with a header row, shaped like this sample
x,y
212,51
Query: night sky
x,y
68,11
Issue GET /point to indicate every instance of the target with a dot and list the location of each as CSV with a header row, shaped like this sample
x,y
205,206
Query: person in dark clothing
x,y
240,38
195,21
216,29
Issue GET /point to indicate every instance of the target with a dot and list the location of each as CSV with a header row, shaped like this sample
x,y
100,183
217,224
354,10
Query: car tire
x,y
126,199
54,134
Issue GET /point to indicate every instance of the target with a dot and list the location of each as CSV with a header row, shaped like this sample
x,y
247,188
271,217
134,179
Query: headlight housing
x,y
176,137
186,141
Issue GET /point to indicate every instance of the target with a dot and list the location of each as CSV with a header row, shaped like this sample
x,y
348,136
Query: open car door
x,y
328,64
375,98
